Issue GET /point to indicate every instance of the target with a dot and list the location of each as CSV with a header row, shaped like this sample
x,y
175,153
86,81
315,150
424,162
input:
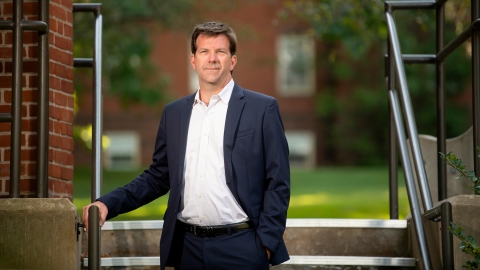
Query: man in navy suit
x,y
223,156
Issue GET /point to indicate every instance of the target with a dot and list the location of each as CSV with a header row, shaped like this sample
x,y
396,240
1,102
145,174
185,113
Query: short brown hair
x,y
214,29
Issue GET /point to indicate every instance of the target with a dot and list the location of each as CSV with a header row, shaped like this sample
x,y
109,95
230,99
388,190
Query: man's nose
x,y
212,57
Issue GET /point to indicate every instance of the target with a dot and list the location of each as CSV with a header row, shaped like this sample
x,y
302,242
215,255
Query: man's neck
x,y
208,90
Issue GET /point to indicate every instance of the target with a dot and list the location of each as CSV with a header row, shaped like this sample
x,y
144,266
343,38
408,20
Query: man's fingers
x,y
85,216
103,212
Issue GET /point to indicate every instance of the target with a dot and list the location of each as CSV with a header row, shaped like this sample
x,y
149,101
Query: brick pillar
x,y
61,100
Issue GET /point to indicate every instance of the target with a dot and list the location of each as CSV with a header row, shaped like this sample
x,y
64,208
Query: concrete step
x,y
347,243
295,262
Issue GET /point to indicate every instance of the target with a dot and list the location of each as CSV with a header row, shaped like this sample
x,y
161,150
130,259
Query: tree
x,y
354,33
128,72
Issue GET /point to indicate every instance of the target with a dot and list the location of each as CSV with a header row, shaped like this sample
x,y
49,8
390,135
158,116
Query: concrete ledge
x,y
38,234
465,209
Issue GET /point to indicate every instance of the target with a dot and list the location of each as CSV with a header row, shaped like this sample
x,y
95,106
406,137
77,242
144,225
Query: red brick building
x,y
60,152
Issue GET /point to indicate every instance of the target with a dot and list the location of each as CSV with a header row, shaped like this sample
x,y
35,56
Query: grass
x,y
319,193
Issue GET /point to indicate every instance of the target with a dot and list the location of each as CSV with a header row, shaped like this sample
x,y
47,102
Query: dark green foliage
x,y
354,35
468,245
128,72
456,163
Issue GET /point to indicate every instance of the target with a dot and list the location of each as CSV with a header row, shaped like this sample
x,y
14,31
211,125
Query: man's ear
x,y
233,62
192,60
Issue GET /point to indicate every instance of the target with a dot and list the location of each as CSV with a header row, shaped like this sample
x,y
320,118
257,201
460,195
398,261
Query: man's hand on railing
x,y
103,211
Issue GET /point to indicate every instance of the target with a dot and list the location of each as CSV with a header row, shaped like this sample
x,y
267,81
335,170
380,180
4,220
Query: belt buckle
x,y
209,231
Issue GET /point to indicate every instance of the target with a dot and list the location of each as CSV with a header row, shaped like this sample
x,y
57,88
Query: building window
x,y
123,152
301,144
296,65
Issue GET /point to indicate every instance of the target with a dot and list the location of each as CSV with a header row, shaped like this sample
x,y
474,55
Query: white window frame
x,y
295,49
302,143
122,143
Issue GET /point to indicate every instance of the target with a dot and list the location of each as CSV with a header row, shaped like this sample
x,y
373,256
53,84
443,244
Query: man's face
x,y
213,61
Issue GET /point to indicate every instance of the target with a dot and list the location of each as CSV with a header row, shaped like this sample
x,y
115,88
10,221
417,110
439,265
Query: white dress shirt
x,y
206,198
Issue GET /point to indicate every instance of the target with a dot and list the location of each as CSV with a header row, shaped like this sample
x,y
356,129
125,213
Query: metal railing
x,y
18,25
96,181
394,66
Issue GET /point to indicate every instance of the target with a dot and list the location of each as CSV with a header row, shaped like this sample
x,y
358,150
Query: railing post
x,y
440,80
476,83
93,238
43,103
447,237
17,59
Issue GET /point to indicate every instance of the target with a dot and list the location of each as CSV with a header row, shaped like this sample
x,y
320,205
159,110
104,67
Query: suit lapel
x,y
185,113
234,111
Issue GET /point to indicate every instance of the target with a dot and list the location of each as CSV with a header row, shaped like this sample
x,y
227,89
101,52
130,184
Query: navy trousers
x,y
240,250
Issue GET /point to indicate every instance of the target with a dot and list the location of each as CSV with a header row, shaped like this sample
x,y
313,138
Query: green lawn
x,y
319,193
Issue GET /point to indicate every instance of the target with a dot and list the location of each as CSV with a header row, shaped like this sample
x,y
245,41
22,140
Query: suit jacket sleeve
x,y
273,218
151,184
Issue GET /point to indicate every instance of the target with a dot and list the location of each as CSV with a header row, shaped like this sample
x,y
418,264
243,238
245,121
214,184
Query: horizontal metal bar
x,y
434,213
5,117
38,26
6,25
96,8
294,260
397,5
416,58
291,223
83,62
419,58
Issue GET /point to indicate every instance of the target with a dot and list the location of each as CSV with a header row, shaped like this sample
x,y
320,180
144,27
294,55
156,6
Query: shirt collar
x,y
224,95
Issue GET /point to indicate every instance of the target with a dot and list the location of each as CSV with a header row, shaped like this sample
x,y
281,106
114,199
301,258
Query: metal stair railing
x,y
18,25
394,66
97,127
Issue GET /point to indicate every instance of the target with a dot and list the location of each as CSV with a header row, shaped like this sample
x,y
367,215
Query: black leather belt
x,y
211,231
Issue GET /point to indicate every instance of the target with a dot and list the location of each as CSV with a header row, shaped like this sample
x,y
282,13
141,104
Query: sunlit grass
x,y
318,193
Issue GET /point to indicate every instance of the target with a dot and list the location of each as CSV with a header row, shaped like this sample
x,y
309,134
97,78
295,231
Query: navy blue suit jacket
x,y
256,168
